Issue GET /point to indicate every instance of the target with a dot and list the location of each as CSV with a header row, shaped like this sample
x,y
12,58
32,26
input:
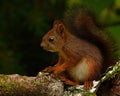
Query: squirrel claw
x,y
88,84
55,74
48,69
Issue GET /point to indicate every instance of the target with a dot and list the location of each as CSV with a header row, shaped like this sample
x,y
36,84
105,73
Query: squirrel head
x,y
54,40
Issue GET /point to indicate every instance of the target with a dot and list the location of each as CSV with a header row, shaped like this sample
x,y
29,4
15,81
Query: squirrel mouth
x,y
47,49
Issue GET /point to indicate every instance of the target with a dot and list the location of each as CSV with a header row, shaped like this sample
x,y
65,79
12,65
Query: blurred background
x,y
24,22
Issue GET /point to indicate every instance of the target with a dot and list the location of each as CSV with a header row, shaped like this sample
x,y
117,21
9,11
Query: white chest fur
x,y
80,71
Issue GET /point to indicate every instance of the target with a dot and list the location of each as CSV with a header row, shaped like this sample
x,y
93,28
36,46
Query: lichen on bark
x,y
45,85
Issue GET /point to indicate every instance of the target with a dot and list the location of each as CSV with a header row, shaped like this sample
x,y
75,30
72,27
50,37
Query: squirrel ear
x,y
61,31
60,27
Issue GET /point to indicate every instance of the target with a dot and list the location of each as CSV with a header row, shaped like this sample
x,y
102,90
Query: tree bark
x,y
44,85
41,85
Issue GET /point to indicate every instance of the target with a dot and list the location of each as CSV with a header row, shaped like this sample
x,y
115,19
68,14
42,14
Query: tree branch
x,y
41,85
44,85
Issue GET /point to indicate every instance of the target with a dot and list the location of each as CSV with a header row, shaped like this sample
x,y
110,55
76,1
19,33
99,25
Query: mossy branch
x,y
44,85
41,85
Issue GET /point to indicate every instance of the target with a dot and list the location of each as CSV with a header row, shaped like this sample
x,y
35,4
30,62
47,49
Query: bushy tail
x,y
81,22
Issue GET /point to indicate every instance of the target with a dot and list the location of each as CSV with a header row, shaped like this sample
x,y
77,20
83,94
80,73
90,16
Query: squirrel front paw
x,y
48,69
57,71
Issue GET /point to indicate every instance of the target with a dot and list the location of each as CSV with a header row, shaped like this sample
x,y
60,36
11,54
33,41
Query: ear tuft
x,y
57,22
60,28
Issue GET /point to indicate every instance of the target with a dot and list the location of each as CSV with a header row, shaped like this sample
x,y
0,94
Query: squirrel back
x,y
81,22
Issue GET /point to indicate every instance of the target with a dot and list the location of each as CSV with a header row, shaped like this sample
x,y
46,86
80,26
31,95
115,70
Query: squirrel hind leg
x,y
88,84
68,81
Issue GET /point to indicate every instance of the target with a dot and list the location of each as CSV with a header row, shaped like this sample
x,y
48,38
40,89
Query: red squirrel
x,y
83,57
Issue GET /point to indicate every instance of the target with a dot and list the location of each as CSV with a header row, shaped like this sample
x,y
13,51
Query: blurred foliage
x,y
24,22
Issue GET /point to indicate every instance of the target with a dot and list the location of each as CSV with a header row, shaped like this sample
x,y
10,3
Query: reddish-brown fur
x,y
82,58
74,55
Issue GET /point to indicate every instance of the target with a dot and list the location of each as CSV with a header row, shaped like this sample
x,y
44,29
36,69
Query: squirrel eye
x,y
51,39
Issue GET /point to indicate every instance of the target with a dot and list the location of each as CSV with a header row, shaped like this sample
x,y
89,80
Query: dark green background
x,y
24,22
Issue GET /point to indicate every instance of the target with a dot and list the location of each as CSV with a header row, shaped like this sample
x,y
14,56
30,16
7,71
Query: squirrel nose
x,y
42,44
